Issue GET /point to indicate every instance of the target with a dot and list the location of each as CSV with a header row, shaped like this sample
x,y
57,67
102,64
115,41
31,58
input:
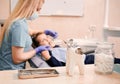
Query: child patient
x,y
55,56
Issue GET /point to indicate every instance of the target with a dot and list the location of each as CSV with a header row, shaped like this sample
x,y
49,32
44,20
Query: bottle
x,y
75,58
104,60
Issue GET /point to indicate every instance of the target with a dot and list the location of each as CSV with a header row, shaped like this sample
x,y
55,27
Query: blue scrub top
x,y
17,36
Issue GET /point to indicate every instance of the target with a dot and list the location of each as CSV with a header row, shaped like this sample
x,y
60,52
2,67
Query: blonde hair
x,y
23,9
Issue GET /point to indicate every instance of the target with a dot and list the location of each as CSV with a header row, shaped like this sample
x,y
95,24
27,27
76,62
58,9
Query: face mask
x,y
33,16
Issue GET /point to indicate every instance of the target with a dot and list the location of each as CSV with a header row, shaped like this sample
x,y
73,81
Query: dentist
x,y
15,40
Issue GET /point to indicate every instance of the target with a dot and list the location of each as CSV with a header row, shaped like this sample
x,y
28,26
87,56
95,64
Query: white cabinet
x,y
112,19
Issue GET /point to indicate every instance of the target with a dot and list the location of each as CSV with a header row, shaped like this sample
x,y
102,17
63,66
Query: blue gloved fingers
x,y
47,47
51,33
55,35
41,48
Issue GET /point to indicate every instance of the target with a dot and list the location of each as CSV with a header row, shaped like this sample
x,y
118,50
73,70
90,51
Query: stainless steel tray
x,y
37,73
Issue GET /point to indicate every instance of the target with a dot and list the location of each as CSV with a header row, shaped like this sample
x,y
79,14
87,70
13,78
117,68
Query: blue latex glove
x,y
51,33
41,48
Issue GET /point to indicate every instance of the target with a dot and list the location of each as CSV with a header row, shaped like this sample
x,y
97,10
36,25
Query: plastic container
x,y
104,60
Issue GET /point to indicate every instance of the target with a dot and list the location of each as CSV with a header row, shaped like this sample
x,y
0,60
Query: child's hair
x,y
34,39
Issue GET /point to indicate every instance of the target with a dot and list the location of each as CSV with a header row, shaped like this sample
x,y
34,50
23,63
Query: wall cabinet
x,y
112,20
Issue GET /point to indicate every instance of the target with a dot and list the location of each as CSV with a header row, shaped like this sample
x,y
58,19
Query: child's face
x,y
43,39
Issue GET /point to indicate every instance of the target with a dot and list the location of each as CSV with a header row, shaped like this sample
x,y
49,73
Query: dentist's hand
x,y
51,33
41,48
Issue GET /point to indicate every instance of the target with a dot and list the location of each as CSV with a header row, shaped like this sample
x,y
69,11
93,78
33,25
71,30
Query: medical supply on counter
x,y
75,58
104,59
37,73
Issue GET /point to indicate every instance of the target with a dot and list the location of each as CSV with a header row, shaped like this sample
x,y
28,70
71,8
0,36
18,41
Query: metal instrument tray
x,y
37,73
